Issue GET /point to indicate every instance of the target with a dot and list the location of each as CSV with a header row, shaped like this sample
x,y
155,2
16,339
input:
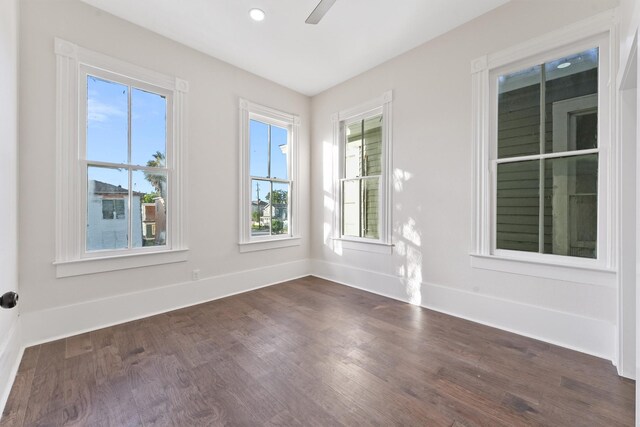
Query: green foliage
x,y
255,216
277,226
149,197
158,181
279,197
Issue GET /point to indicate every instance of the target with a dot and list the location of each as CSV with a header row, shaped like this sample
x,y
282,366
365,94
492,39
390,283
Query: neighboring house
x,y
160,229
154,222
149,223
277,210
258,205
107,222
570,188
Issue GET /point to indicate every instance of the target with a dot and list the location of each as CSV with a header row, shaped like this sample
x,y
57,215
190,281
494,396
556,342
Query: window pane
x,y
372,146
107,207
260,216
352,151
518,206
519,113
258,149
351,208
363,158
571,206
148,128
279,208
360,208
149,209
370,203
571,97
107,121
279,156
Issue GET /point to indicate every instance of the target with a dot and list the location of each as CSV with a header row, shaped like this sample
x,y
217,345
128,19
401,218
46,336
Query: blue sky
x,y
259,157
107,139
107,130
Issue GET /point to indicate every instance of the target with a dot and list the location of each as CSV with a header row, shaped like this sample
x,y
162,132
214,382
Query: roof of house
x,y
100,187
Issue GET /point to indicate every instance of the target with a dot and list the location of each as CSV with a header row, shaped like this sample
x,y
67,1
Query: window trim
x,y
70,256
249,111
597,31
84,71
381,105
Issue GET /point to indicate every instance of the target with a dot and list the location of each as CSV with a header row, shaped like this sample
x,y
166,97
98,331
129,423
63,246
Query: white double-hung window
x,y
268,178
119,200
542,146
362,141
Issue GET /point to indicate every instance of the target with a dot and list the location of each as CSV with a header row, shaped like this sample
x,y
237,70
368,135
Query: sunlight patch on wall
x,y
408,246
329,202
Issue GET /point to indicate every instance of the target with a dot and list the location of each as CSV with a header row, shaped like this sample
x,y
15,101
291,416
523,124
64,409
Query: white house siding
x,y
112,233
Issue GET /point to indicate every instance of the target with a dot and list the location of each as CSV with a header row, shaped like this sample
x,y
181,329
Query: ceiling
x,y
354,36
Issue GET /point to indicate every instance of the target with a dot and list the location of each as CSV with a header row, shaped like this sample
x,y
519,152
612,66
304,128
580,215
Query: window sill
x,y
269,244
549,269
120,262
358,245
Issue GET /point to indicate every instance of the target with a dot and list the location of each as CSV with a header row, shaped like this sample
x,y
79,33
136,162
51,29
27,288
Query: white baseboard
x,y
580,333
588,335
60,322
10,357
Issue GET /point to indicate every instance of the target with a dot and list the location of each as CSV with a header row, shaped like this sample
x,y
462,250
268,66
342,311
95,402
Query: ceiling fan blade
x,y
320,10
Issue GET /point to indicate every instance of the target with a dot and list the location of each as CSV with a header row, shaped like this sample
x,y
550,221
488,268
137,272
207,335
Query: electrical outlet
x,y
195,275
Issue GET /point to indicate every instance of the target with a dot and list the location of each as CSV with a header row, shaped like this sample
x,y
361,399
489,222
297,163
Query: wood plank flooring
x,y
312,352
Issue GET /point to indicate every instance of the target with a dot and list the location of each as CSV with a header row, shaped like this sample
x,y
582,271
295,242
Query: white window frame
x,y
252,111
74,63
381,105
597,31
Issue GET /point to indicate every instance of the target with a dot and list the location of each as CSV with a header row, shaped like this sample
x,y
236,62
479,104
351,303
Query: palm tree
x,y
157,180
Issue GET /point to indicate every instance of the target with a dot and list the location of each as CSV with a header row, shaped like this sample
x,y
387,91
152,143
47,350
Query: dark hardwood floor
x,y
312,352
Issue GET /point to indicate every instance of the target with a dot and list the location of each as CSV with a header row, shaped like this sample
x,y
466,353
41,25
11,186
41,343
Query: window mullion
x,y
554,155
360,208
130,177
269,151
543,131
270,193
363,172
130,213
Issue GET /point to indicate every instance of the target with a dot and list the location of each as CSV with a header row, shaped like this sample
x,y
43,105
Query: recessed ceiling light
x,y
564,65
257,15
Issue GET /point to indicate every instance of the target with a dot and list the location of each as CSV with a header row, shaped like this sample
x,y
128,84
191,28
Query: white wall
x,y
629,13
433,182
54,307
10,341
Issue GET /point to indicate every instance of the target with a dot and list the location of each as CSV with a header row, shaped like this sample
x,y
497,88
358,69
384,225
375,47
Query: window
x,y
547,157
112,209
119,141
541,154
268,176
363,142
362,163
124,141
